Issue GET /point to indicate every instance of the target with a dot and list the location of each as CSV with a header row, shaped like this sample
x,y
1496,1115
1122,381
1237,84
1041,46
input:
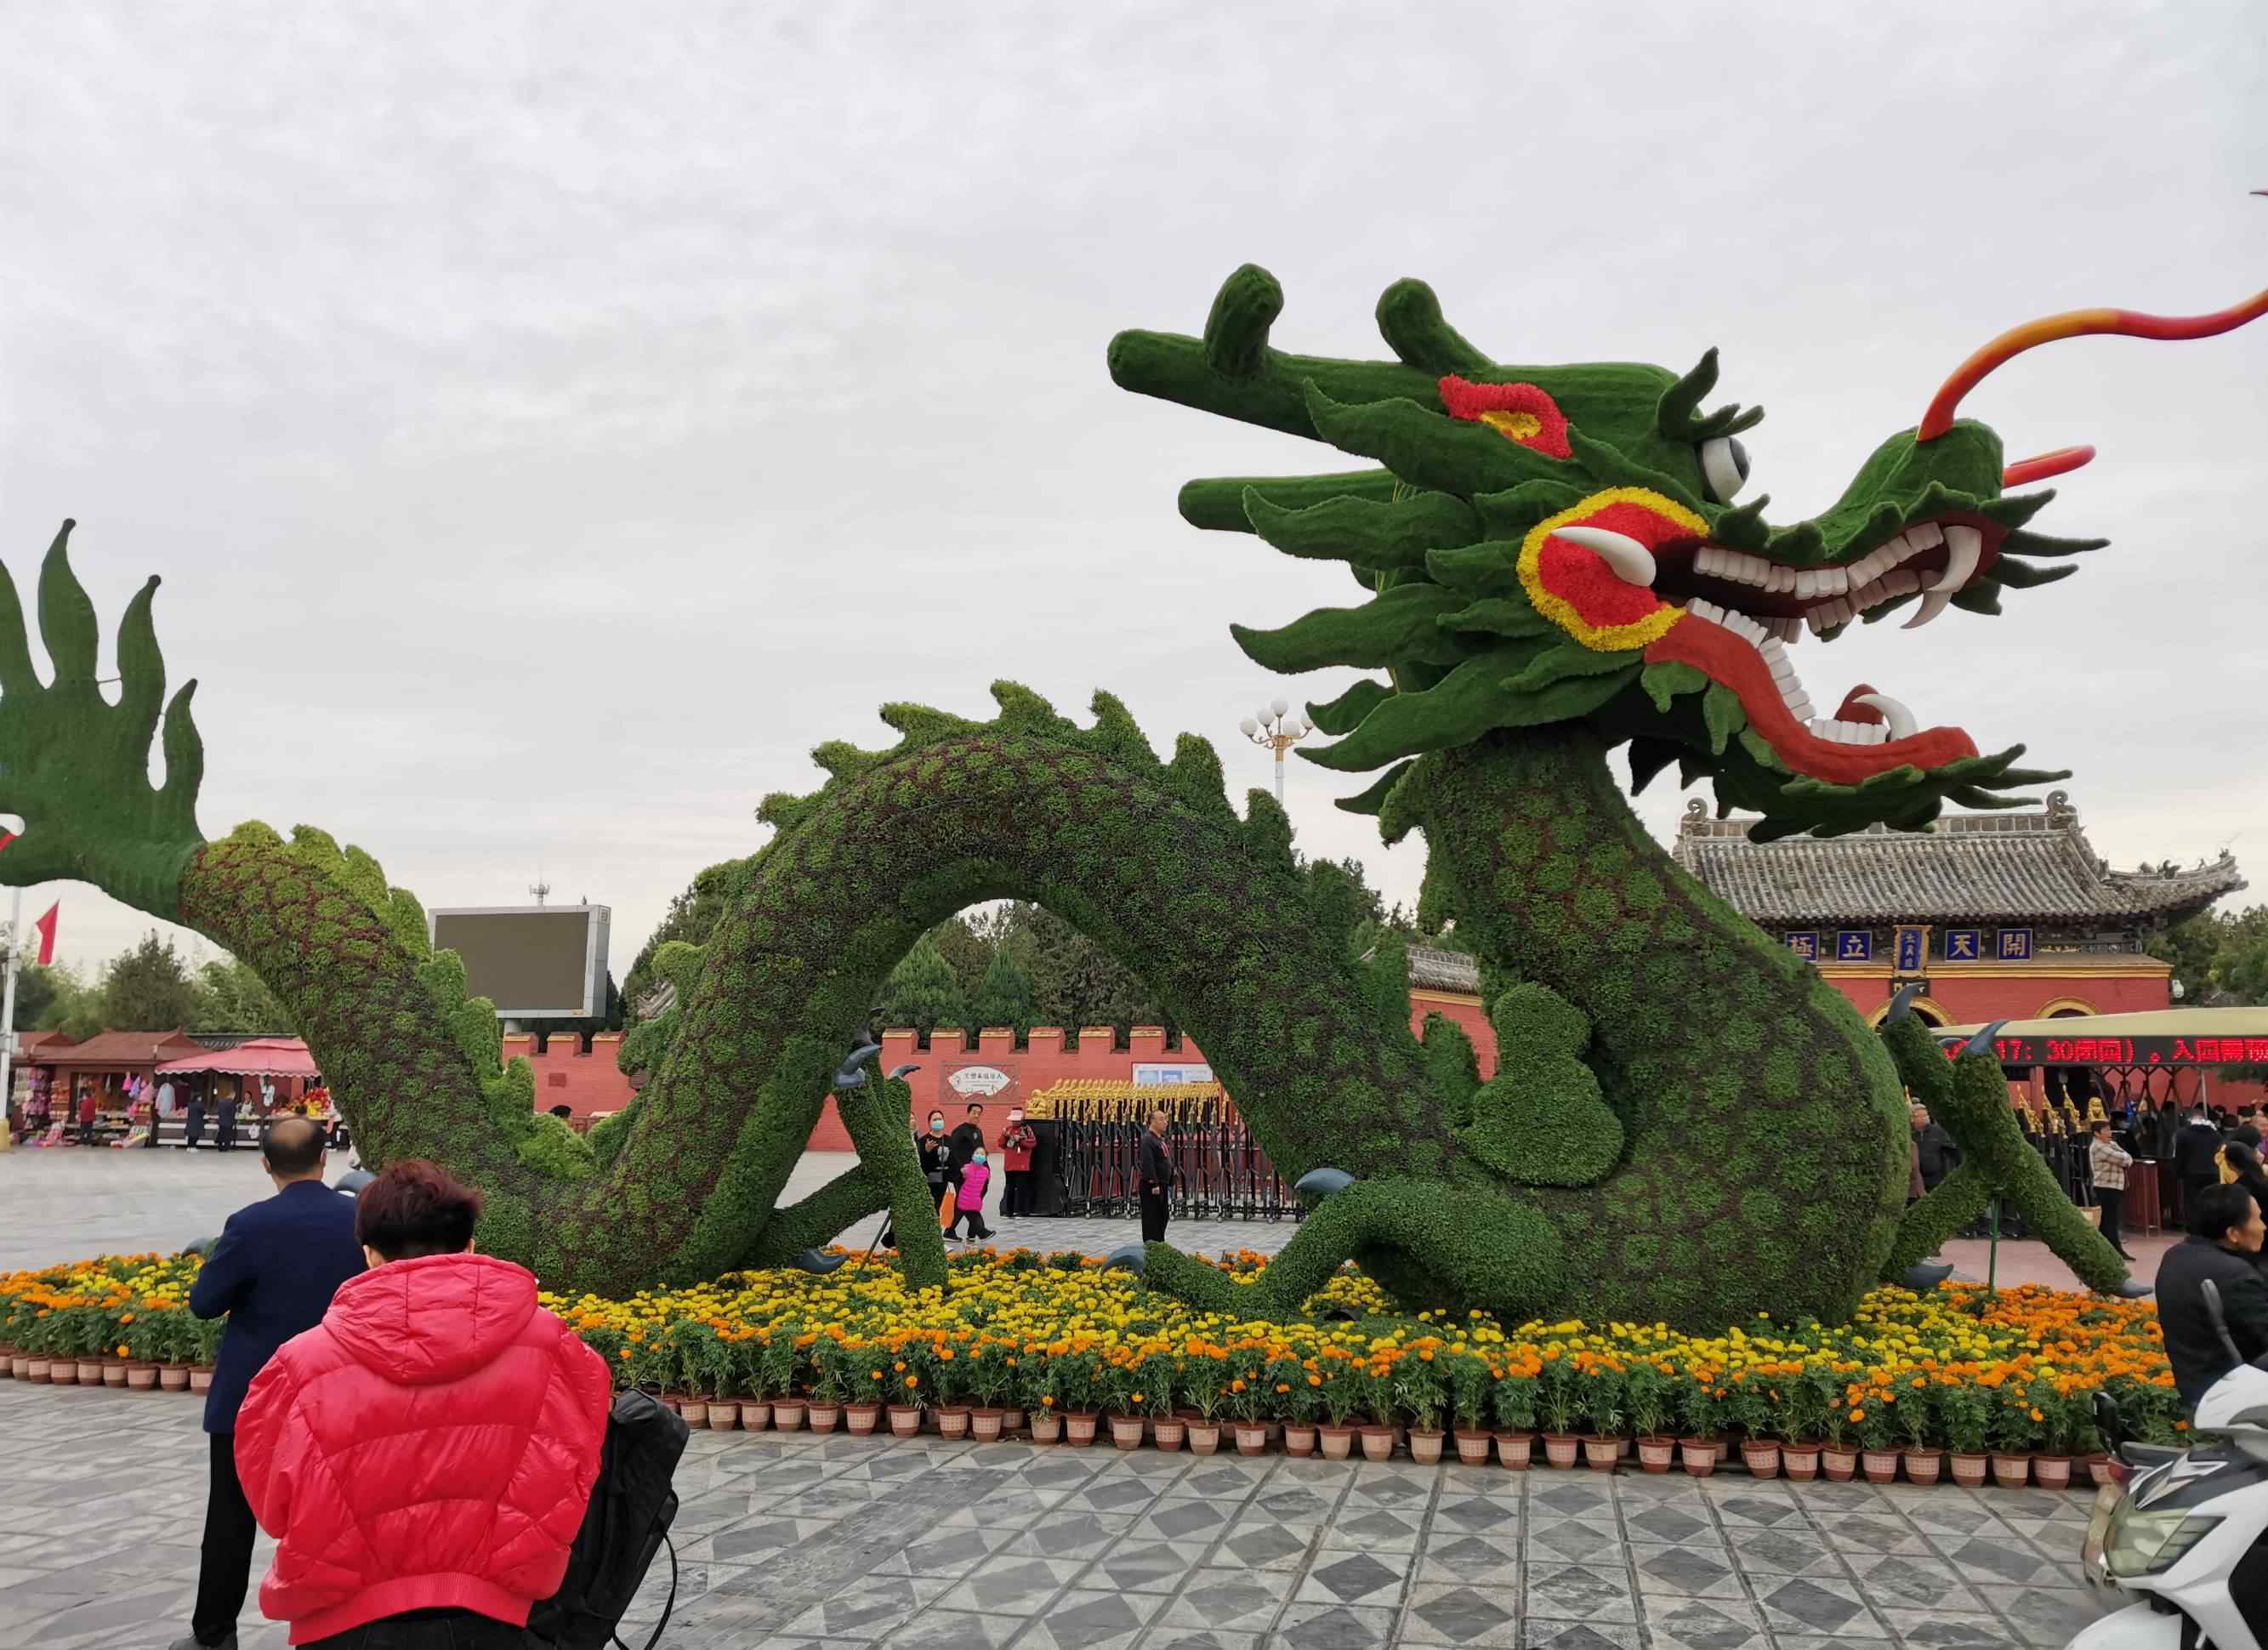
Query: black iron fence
x,y
1219,1171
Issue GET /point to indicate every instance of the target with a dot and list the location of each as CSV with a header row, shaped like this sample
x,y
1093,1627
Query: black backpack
x,y
632,1507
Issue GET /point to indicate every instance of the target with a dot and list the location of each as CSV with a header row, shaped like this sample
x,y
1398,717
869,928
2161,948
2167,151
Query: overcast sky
x,y
551,420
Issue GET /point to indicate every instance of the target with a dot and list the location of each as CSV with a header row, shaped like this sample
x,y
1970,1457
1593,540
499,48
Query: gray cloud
x,y
517,401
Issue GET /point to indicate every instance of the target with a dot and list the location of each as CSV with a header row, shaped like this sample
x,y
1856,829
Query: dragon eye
x,y
1724,465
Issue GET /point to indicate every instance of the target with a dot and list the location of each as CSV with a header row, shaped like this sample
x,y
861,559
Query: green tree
x,y
149,989
73,1006
1003,996
35,995
230,996
924,992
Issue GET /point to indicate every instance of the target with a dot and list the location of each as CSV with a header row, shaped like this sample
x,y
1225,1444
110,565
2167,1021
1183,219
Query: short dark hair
x,y
417,1208
2101,1125
293,1144
976,1105
2219,1208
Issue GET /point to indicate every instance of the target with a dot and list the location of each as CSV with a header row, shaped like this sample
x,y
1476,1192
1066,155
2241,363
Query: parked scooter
x,y
2186,1533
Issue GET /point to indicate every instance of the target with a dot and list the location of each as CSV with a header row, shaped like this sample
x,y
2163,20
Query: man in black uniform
x,y
968,1139
2223,1247
1157,1178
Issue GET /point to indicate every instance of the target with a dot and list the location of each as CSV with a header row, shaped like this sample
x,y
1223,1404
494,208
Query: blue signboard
x,y
1913,949
1804,946
1964,945
2015,944
1855,945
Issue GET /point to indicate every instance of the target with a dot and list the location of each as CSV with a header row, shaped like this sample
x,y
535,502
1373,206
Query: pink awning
x,y
262,1057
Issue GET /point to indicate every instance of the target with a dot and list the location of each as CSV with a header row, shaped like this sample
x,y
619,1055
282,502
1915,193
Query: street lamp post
x,y
1275,728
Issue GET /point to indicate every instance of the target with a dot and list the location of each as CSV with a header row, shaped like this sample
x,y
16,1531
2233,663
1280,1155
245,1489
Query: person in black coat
x,y
2223,1247
968,1139
1940,1156
225,1134
934,1151
194,1130
1157,1179
2194,1147
272,1274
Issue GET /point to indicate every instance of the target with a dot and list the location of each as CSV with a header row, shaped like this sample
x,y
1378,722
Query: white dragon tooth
x,y
1901,581
1814,622
1633,562
1807,584
1933,603
1923,535
1800,706
1770,647
1834,581
1781,669
1705,560
1963,546
1837,611
1818,730
1900,720
1755,570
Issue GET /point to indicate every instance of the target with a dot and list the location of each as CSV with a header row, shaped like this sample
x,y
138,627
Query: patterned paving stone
x,y
2047,1616
1011,1585
1903,1580
1266,1546
1945,1630
1479,1560
1699,1623
1335,1627
1355,1578
1140,1565
1242,1601
1544,1633
1814,1604
1460,1614
1686,1572
1579,1591
1375,1531
1093,1621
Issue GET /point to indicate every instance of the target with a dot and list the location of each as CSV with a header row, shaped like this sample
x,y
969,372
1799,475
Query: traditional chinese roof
x,y
1434,969
123,1049
2022,865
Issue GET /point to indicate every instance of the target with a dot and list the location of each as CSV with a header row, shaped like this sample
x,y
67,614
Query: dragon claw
x,y
851,1076
1901,1004
352,1182
1321,1182
2134,1289
1923,1276
1130,1255
1981,1044
897,1072
812,1261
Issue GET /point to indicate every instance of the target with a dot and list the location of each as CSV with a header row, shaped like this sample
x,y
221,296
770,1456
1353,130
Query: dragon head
x,y
1548,544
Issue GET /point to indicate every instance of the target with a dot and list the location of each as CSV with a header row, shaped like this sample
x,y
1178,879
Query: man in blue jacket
x,y
273,1272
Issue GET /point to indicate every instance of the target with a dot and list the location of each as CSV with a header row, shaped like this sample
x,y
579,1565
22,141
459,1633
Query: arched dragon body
x,y
1686,1122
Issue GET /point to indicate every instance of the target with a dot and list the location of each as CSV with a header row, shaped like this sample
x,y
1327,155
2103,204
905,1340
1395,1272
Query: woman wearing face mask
x,y
935,1152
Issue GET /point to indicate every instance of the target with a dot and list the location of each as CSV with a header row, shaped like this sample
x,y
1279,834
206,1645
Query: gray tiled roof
x,y
2022,864
1436,970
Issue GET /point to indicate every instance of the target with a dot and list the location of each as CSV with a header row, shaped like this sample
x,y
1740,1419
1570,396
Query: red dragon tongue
x,y
1852,711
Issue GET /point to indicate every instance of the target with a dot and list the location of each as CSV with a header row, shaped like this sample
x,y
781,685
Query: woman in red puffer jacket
x,y
424,1455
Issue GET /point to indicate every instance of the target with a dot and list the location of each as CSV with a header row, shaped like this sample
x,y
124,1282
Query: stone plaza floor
x,y
793,1540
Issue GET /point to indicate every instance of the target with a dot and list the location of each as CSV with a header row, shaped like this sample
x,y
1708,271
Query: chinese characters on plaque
x,y
1964,945
1804,946
1911,954
1854,944
2015,944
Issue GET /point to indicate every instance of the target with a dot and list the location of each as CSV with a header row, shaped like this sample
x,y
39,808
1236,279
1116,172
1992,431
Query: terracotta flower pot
x,y
2011,1471
90,1372
2052,1471
1079,1426
863,1419
694,1411
1561,1449
952,1419
2098,1470
1655,1454
1205,1437
1047,1427
1012,1420
201,1377
64,1372
1425,1445
983,1424
1840,1465
905,1419
1298,1439
787,1414
173,1378
141,1377
1473,1448
1761,1457
1700,1455
19,1365
1338,1442
113,1371
1126,1431
1880,1466
823,1416
1602,1455
1168,1431
1251,1438
1968,1470
1923,1465
40,1370
7,1363
1377,1442
755,1414
1801,1461
724,1415
1516,1450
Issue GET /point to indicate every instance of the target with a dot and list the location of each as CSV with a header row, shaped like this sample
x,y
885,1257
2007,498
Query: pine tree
x,y
924,992
1003,996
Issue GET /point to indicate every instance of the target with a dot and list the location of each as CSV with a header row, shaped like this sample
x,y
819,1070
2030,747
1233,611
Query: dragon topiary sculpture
x,y
1686,1123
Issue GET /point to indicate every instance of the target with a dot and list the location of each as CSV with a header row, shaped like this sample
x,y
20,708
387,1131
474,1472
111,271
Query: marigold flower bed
x,y
2013,1374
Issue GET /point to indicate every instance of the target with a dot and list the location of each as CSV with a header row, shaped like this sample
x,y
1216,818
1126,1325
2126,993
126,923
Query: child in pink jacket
x,y
969,1203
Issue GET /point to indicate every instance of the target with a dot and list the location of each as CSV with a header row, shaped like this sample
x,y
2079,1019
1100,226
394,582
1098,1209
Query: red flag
x,y
46,926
